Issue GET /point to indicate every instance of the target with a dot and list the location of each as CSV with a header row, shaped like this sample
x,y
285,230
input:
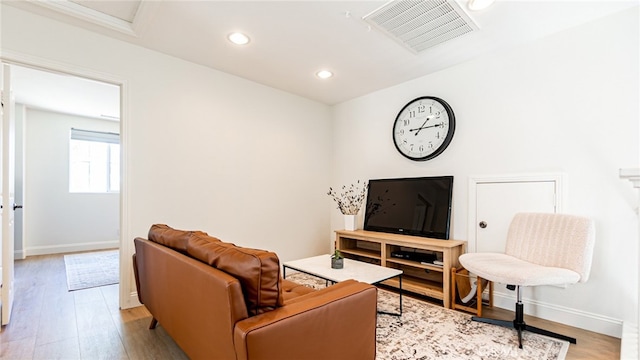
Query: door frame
x,y
7,293
127,298
474,181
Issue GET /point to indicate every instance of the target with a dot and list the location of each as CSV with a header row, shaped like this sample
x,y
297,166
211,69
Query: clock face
x,y
424,128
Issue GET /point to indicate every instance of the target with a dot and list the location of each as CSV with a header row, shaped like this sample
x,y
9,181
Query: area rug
x,y
92,269
426,331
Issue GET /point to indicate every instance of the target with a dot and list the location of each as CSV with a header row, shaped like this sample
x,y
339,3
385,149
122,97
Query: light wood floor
x,y
589,345
49,322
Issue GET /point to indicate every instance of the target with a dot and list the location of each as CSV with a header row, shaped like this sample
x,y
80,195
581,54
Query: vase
x,y
337,263
349,222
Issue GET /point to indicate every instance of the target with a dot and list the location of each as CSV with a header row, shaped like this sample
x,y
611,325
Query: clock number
x,y
421,108
421,148
401,132
412,113
406,122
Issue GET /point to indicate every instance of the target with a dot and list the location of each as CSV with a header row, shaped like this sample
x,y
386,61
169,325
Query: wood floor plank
x,y
103,346
142,343
590,345
24,325
93,318
18,349
68,349
111,294
58,320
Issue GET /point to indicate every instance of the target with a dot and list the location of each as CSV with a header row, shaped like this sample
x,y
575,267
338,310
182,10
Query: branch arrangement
x,y
351,198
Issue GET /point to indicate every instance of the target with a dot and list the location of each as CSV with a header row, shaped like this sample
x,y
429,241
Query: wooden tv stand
x,y
422,278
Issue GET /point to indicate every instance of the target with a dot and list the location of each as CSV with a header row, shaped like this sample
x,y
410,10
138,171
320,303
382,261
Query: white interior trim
x,y
84,13
67,248
126,271
632,174
629,341
629,348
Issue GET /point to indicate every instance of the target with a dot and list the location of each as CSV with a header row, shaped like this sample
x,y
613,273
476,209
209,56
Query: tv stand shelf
x,y
421,278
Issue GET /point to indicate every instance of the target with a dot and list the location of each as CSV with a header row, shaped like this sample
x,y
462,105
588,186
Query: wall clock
x,y
424,128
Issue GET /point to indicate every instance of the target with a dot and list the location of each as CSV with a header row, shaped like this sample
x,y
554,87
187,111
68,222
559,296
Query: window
x,y
94,161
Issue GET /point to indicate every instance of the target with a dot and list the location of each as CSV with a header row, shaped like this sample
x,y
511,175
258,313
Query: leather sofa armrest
x,y
135,273
338,322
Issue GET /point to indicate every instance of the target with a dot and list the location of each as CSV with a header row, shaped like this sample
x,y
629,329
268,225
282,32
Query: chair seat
x,y
505,269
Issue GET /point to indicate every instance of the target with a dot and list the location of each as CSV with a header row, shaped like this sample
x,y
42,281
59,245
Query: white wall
x,y
56,220
569,104
203,149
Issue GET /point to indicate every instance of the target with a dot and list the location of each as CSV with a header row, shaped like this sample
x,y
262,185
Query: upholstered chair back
x,y
557,240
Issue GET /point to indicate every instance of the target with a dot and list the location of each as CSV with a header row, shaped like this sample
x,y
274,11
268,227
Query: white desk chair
x,y
542,249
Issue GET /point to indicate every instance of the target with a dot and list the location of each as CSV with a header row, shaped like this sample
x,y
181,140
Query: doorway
x,y
57,88
61,216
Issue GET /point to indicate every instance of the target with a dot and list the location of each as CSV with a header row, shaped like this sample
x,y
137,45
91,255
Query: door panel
x,y
8,195
498,202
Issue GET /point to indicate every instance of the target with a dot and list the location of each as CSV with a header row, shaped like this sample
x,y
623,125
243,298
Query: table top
x,y
320,266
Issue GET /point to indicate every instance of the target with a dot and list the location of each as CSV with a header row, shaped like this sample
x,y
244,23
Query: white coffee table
x,y
320,266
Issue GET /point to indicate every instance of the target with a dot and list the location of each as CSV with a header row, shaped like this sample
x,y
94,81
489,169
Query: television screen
x,y
412,206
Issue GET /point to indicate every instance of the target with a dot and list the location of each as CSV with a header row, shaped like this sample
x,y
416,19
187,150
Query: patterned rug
x,y
426,331
92,269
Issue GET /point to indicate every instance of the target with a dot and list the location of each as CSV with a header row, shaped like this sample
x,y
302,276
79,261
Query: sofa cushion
x,y
292,291
257,270
174,238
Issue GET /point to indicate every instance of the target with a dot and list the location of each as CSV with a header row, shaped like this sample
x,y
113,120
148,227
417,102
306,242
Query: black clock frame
x,y
448,138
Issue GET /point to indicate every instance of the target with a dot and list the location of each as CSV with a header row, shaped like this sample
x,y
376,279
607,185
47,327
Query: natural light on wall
x,y
94,162
477,5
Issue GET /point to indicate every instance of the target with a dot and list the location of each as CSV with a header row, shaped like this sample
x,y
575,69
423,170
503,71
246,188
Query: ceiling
x,y
292,40
65,93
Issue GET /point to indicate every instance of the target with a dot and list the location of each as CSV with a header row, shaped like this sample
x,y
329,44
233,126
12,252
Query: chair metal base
x,y
520,326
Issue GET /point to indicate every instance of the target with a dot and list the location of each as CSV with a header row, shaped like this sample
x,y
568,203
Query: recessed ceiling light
x,y
476,5
324,74
238,38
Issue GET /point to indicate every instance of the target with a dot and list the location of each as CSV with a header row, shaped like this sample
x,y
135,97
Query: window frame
x,y
106,138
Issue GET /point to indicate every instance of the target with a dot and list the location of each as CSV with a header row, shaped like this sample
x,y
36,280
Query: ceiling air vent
x,y
421,24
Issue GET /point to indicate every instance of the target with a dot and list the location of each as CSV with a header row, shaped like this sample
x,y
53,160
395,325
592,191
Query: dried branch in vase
x,y
351,198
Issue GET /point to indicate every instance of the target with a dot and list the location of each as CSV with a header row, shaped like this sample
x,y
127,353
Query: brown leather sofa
x,y
221,301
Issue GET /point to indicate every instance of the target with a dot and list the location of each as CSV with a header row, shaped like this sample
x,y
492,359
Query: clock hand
x,y
417,130
421,126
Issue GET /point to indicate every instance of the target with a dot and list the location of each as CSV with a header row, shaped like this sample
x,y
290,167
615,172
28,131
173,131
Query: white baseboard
x,y
19,255
629,344
66,248
131,301
564,315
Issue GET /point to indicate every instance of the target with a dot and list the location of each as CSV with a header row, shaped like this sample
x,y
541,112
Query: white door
x,y
8,194
494,202
497,202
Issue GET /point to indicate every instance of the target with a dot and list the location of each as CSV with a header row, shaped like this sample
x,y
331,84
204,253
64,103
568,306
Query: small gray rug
x,y
92,269
426,331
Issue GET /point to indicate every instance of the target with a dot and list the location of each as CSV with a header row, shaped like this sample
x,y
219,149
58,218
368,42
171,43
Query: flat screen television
x,y
411,206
